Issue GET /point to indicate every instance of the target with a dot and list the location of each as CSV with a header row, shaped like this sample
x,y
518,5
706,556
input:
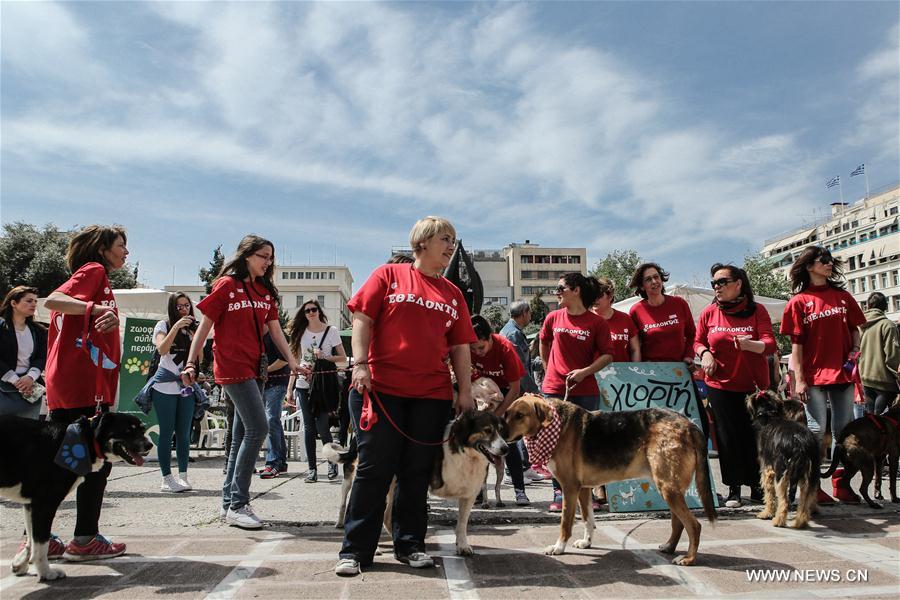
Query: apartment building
x,y
865,234
331,285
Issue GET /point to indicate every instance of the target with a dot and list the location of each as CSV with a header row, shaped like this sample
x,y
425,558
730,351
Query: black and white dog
x,y
43,462
474,440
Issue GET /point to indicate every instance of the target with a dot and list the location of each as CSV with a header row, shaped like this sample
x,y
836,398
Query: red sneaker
x,y
97,549
556,505
269,472
55,547
542,472
823,498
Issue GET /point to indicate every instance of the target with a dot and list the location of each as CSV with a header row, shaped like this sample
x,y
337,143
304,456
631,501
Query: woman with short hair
x,y
822,319
665,323
407,320
734,337
23,353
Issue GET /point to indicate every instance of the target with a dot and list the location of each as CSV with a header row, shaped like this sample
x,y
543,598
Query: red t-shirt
x,y
621,330
736,370
71,374
822,319
237,346
417,319
667,331
576,342
501,363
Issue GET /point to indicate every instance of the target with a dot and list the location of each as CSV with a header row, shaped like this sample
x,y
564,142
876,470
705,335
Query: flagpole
x,y
841,190
866,173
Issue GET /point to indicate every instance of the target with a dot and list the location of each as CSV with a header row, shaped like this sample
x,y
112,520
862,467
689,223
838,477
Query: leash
x,y
368,417
99,382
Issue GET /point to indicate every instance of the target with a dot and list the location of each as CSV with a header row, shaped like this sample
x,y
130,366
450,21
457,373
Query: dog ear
x,y
542,411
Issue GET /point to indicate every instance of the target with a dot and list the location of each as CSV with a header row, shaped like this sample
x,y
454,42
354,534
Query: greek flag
x,y
833,182
860,170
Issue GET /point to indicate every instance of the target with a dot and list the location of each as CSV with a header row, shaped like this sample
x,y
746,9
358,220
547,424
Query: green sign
x,y
136,355
633,386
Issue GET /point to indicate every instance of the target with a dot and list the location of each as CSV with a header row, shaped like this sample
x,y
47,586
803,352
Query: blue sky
x,y
687,131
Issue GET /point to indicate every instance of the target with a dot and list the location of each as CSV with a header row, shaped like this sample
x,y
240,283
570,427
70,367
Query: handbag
x,y
324,391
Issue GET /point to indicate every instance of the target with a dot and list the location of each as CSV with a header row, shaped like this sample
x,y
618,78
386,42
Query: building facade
x,y
331,285
865,235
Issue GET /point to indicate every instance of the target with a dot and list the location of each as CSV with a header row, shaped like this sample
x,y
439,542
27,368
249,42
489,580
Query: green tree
x,y
539,309
765,281
496,315
215,265
618,266
124,278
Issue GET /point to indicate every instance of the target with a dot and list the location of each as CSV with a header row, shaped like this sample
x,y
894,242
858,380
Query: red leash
x,y
369,417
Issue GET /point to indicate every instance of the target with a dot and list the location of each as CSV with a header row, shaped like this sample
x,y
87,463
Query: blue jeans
x,y
249,431
878,401
276,455
384,453
311,425
840,397
175,414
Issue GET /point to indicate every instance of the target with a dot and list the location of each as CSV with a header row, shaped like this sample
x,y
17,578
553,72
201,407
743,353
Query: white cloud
x,y
878,90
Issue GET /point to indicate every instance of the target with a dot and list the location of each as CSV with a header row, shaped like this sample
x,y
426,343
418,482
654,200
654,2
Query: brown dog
x,y
596,448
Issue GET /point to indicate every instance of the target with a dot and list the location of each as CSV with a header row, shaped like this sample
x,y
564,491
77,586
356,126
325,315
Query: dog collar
x,y
542,445
877,420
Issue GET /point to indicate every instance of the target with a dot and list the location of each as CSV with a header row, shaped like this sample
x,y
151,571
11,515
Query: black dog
x,y
788,458
32,474
862,447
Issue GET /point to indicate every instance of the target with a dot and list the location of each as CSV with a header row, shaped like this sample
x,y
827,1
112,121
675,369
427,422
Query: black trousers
x,y
384,453
736,438
89,496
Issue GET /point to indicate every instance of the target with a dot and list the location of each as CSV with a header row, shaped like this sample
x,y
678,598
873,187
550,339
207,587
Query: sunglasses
x,y
720,282
825,259
311,309
560,289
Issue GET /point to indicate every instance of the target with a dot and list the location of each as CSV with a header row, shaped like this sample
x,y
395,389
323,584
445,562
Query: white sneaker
x,y
183,480
531,475
243,518
170,484
347,567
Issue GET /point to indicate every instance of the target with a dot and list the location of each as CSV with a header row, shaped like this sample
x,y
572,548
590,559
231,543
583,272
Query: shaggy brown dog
x,y
862,447
788,458
596,448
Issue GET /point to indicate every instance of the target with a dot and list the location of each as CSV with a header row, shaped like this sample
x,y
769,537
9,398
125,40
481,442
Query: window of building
x,y
315,274
331,275
299,301
862,284
893,210
852,286
884,280
873,281
896,278
863,237
854,224
526,259
852,263
845,227
321,299
859,259
896,303
284,274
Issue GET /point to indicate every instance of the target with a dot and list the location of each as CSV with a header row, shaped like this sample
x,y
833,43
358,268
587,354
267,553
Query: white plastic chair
x,y
293,434
212,432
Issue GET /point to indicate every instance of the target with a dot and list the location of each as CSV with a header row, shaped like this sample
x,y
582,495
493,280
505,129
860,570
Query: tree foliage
x,y
618,266
37,257
209,275
539,310
496,315
764,279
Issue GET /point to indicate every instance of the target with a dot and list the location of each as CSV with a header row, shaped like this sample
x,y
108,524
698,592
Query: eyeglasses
x,y
561,288
310,310
270,259
183,306
825,259
651,278
720,282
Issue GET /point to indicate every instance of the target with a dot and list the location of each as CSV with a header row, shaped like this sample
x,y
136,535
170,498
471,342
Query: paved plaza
x,y
177,548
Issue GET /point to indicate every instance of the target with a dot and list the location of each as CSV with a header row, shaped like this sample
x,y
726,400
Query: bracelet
x,y
360,362
705,350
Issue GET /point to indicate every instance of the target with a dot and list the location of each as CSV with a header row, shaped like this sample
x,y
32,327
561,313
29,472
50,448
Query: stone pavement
x,y
178,548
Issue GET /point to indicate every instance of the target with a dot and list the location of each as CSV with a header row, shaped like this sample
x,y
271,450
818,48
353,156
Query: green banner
x,y
136,354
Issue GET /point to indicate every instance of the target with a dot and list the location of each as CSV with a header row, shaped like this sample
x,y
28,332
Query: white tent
x,y
699,298
144,303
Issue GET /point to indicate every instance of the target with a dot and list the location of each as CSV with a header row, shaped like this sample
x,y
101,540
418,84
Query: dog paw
x,y
20,561
874,505
764,514
796,524
667,548
879,495
779,522
895,500
338,525
555,550
485,505
684,561
51,574
465,550
582,544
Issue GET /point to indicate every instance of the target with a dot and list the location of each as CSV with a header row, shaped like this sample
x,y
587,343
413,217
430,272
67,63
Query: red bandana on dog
x,y
541,446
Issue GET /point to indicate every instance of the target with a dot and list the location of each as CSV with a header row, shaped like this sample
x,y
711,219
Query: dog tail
x,y
702,475
338,455
835,461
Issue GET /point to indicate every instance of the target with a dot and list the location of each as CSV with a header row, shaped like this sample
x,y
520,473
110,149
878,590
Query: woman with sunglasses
x,y
734,337
174,410
409,322
312,339
575,344
823,321
243,300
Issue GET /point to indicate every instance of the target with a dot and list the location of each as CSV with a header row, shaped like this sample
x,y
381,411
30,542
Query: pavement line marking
x,y
234,581
870,555
459,580
659,563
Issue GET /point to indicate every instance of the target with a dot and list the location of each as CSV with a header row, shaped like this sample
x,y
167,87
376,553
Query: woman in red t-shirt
x,y
407,320
575,344
734,336
823,321
243,300
626,346
73,390
665,324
